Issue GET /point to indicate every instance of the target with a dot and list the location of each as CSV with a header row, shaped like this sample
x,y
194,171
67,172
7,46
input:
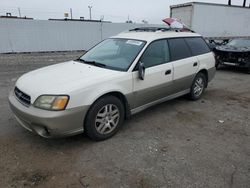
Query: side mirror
x,y
141,71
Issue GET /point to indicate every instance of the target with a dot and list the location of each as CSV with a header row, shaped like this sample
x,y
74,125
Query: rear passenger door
x,y
184,63
158,75
200,49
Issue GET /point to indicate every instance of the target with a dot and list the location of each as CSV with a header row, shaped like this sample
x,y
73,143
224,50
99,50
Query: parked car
x,y
234,53
215,43
119,77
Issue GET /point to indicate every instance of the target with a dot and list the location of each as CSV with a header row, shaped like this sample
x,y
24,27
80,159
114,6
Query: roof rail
x,y
150,29
155,29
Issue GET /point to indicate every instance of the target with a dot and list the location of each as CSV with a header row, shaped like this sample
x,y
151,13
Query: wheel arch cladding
x,y
204,71
118,95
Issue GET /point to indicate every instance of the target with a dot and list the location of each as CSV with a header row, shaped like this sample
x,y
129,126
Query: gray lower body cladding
x,y
145,96
143,99
211,73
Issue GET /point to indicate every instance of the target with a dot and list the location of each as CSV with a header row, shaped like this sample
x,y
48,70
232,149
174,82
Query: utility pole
x,y
19,11
244,3
71,14
90,16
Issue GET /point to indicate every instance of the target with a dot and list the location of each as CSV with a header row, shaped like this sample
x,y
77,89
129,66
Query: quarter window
x,y
178,49
156,53
197,45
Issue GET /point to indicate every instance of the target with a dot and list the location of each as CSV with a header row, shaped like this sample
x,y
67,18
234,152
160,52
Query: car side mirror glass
x,y
141,71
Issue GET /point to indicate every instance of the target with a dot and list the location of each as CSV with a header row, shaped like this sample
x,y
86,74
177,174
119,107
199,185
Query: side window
x,y
178,49
197,45
156,53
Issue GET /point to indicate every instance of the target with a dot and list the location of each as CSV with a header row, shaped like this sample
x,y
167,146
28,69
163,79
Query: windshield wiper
x,y
91,62
79,59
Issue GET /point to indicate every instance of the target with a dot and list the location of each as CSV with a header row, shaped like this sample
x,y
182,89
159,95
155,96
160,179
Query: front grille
x,y
232,56
22,97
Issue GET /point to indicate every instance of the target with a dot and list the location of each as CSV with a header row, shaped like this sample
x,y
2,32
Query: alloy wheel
x,y
198,86
107,119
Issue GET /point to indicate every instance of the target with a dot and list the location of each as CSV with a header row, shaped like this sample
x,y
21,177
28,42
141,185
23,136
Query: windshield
x,y
116,54
239,43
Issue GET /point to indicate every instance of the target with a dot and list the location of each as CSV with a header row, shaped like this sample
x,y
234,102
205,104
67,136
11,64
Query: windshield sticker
x,y
134,42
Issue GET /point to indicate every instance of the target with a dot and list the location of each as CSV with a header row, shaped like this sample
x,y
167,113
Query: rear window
x,y
178,49
197,45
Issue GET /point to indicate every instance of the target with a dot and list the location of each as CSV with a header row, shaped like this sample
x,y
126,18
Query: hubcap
x,y
198,87
107,119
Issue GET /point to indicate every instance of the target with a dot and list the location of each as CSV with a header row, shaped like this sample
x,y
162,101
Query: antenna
x,y
71,14
19,11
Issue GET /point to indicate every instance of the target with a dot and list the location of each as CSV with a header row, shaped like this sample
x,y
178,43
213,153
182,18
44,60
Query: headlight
x,y
51,102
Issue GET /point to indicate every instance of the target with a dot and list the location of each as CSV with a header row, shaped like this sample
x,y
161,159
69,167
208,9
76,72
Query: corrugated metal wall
x,y
43,35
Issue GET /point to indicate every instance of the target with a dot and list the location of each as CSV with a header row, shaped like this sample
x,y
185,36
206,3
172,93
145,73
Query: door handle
x,y
168,72
195,64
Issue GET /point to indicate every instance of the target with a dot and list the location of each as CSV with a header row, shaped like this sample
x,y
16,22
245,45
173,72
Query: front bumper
x,y
235,64
49,124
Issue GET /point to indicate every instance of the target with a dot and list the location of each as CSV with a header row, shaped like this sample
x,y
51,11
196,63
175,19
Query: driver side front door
x,y
158,78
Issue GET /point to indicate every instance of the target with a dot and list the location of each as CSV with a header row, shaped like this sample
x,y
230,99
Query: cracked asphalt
x,y
179,143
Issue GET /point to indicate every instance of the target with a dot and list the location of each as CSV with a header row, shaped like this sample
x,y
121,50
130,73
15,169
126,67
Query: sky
x,y
153,11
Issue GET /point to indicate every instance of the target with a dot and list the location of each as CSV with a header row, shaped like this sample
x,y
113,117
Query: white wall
x,y
221,21
184,14
43,35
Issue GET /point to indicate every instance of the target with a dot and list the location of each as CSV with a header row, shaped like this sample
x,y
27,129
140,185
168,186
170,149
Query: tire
x,y
198,86
104,118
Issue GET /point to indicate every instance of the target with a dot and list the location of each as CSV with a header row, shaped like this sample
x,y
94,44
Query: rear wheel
x,y
104,118
198,86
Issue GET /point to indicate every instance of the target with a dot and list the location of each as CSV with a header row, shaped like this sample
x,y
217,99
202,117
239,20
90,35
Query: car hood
x,y
228,48
62,78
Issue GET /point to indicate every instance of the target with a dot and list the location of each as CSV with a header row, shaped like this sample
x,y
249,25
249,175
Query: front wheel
x,y
104,118
198,86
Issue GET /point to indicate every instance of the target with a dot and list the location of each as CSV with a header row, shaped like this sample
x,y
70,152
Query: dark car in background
x,y
235,53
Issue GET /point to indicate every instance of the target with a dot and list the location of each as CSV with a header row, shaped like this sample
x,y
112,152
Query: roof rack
x,y
162,29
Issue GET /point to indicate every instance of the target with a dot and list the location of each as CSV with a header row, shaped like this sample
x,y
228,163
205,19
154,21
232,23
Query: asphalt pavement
x,y
179,143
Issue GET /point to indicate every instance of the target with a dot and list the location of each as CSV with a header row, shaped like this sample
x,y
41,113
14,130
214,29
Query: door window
x,y
178,49
156,53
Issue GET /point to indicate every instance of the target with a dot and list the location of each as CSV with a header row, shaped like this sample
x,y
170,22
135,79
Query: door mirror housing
x,y
141,70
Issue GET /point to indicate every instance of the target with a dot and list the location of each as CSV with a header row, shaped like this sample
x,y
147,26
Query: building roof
x,y
202,3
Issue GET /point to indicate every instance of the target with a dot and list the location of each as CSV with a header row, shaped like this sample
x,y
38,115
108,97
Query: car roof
x,y
154,35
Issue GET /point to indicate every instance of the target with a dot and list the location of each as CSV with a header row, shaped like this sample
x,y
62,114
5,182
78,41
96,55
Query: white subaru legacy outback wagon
x,y
120,76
